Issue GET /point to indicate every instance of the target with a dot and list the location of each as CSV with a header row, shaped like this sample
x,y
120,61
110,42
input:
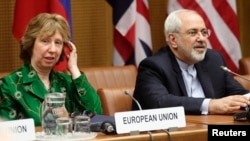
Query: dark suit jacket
x,y
160,83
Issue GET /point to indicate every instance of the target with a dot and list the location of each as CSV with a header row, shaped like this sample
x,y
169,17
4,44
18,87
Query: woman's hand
x,y
72,61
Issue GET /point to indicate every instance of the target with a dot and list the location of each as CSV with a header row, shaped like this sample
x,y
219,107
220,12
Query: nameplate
x,y
19,130
152,119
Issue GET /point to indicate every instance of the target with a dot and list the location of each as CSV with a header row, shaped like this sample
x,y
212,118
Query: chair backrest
x,y
2,74
243,82
244,65
111,76
115,100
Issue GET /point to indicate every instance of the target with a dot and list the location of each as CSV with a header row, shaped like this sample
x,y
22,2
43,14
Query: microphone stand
x,y
241,115
139,106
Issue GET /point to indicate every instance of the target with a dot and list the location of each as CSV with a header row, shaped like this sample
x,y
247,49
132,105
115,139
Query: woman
x,y
23,91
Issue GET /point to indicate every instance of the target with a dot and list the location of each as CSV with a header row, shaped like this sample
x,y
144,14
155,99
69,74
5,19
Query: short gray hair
x,y
173,22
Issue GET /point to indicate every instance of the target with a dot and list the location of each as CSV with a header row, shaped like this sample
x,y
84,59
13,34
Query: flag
x,y
221,18
25,10
132,35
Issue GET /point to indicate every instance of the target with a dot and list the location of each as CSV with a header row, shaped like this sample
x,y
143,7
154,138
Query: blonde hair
x,y
44,24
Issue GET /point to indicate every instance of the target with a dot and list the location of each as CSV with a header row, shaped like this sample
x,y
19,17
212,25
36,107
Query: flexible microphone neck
x,y
228,70
127,92
138,104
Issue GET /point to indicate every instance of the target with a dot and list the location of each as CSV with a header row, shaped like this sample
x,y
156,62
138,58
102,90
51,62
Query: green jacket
x,y
22,94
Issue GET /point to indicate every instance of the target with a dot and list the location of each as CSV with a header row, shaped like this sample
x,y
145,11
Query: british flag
x,y
132,34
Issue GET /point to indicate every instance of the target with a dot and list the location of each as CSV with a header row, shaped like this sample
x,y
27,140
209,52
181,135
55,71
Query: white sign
x,y
19,130
147,120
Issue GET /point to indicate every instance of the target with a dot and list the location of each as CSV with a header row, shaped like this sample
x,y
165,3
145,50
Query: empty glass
x,y
81,124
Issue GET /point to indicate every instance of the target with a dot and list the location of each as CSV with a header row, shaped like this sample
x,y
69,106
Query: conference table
x,y
196,130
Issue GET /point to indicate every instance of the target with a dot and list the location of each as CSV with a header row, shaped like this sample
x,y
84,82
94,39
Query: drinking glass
x,y
63,126
81,124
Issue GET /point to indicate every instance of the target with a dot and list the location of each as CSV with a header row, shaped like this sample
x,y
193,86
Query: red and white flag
x,y
132,35
221,18
25,10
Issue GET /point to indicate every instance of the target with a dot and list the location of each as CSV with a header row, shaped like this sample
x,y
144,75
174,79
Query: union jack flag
x,y
132,35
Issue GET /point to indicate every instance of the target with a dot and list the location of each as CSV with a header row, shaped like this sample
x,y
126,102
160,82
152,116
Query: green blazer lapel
x,y
32,83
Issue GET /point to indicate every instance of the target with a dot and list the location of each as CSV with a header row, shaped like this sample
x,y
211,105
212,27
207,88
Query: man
x,y
186,73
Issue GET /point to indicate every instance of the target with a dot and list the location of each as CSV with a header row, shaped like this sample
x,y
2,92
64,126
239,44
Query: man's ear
x,y
172,40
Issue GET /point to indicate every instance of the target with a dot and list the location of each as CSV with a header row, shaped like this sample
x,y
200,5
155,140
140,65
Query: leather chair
x,y
111,76
115,100
110,83
243,82
244,65
2,74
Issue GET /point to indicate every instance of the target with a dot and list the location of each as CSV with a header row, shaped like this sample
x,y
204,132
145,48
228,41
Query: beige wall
x,y
93,31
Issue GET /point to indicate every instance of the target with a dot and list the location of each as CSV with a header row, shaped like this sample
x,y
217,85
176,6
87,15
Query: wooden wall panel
x,y
244,25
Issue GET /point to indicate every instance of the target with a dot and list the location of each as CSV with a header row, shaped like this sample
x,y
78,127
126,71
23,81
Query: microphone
x,y
108,128
104,124
127,92
228,70
242,115
138,104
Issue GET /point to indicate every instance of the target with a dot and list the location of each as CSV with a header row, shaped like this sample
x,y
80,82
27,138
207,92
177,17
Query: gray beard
x,y
197,56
